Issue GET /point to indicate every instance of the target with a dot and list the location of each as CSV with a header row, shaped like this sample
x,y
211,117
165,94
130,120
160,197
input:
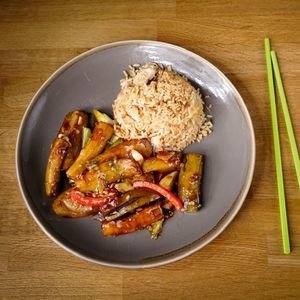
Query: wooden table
x,y
246,261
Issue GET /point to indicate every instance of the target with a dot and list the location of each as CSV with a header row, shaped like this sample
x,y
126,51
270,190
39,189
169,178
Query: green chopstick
x,y
278,164
286,115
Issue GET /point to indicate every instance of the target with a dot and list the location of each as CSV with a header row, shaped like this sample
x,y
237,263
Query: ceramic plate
x,y
91,80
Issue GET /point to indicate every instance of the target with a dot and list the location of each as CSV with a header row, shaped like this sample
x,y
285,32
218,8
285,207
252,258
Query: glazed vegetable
x,y
65,148
123,150
119,180
168,181
138,220
124,186
155,229
167,194
132,206
96,178
163,162
64,206
102,117
98,200
54,166
100,135
127,184
71,128
125,198
114,141
86,134
189,181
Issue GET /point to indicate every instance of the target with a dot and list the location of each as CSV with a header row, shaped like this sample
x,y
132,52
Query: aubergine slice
x,y
189,180
139,220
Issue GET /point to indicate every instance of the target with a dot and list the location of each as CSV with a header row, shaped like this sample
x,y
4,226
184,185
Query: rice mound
x,y
159,104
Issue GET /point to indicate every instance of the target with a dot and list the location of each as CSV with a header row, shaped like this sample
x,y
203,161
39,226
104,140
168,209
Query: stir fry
x,y
123,182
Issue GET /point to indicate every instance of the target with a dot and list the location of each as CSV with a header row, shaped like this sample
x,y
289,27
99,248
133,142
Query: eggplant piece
x,y
108,172
132,206
189,181
134,222
72,127
126,185
102,117
127,197
86,134
64,206
89,182
118,169
54,166
123,150
169,180
64,150
143,177
100,135
155,229
164,162
168,183
114,141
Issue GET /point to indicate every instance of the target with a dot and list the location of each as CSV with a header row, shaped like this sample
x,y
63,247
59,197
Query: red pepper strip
x,y
170,196
89,201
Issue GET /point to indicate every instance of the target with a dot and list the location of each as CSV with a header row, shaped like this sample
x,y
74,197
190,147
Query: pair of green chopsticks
x,y
273,68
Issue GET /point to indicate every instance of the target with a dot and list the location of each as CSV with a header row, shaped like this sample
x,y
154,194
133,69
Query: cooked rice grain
x,y
159,104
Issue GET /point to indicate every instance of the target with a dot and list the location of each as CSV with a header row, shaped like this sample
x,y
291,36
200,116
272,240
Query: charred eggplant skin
x,y
54,166
131,207
189,180
64,149
136,221
72,128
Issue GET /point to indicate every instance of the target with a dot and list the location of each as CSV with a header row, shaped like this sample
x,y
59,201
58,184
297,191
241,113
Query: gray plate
x,y
92,80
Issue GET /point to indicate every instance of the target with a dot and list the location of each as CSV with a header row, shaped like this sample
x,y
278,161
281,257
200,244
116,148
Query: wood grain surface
x,y
246,261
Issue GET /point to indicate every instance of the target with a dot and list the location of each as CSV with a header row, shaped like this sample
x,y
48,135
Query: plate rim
x,y
177,254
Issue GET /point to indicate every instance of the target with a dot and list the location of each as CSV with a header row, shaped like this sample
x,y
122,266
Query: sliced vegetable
x,y
167,194
89,183
125,198
123,150
65,149
143,177
132,206
54,166
91,201
113,139
100,135
116,143
107,172
124,186
102,117
138,220
71,129
164,162
86,134
155,229
168,181
189,181
64,206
